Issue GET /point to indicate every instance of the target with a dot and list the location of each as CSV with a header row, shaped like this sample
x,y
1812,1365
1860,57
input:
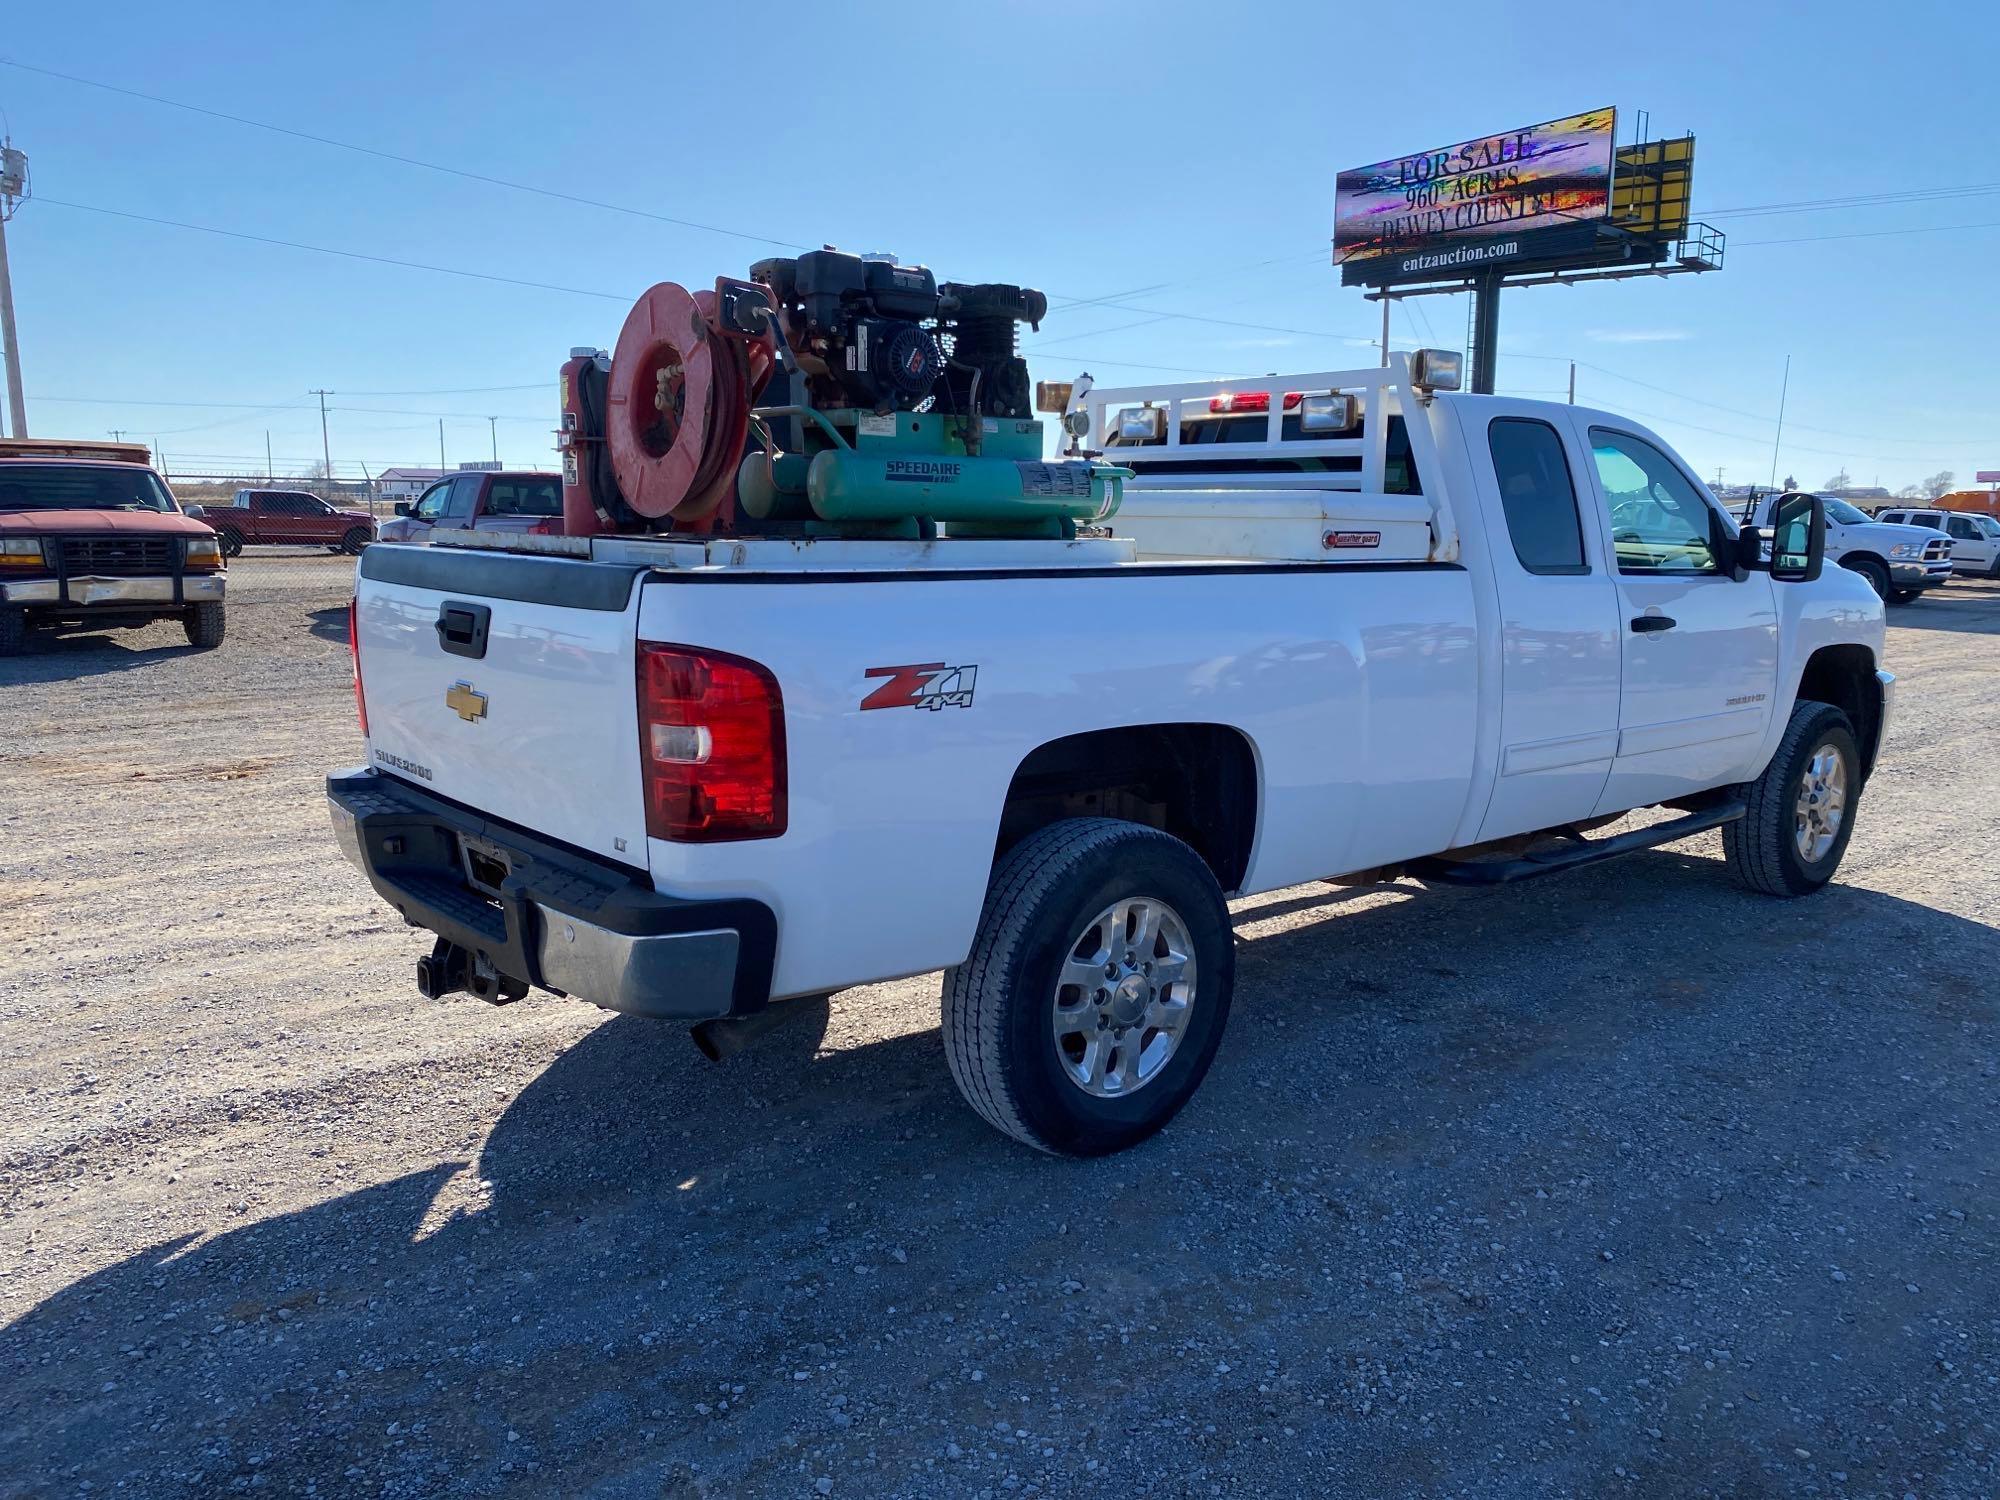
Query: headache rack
x,y
1379,393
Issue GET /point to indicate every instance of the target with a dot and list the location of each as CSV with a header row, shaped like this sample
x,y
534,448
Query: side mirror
x,y
1798,539
402,507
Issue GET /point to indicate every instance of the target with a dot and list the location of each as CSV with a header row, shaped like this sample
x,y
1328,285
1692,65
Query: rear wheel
x,y
357,537
13,631
1874,572
1903,596
203,624
1097,988
1801,810
231,539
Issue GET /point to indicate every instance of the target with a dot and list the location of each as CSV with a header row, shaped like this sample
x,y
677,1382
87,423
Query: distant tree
x,y
1841,481
1791,483
1938,484
1912,492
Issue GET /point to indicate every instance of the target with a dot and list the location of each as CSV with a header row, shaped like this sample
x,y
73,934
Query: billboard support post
x,y
1485,331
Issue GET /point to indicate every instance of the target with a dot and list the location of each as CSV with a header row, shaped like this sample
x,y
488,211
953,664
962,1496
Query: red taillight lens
x,y
354,649
711,746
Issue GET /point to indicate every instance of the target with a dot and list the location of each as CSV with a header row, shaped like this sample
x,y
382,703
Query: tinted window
x,y
29,486
524,497
1958,526
464,491
1928,518
1539,495
1659,521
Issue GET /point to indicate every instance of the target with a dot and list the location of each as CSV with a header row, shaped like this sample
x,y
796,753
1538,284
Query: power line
x,y
380,260
408,161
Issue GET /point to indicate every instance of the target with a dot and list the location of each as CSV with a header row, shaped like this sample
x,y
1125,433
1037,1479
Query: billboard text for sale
x,y
1516,198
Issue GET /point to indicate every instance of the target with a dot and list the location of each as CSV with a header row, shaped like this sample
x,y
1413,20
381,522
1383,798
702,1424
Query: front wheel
x,y
203,624
1096,991
13,631
1903,596
231,539
357,537
1801,810
1874,572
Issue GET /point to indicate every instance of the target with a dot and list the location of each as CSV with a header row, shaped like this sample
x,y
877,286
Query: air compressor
x,y
826,395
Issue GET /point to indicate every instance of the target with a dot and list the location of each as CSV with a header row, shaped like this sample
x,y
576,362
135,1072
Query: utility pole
x,y
1572,382
270,473
493,428
325,446
117,434
13,192
440,447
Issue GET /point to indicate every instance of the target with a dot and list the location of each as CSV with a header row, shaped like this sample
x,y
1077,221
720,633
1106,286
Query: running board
x,y
1441,871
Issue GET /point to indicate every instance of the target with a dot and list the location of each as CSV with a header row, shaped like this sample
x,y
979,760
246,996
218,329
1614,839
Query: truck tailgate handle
x,y
1647,624
461,628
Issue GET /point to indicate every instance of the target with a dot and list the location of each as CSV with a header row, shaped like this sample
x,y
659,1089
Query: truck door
x,y
458,510
1971,550
1559,622
1700,655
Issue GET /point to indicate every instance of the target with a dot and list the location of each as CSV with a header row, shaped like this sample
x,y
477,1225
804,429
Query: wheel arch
x,y
1844,676
1197,781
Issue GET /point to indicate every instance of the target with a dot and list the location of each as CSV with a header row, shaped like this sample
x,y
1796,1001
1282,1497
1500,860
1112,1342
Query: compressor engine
x,y
826,395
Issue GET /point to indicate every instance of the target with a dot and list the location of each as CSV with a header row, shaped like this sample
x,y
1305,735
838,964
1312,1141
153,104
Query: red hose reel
x,y
678,405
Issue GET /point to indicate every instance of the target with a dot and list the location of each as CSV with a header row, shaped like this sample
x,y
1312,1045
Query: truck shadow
x,y
639,1225
63,657
1966,604
329,624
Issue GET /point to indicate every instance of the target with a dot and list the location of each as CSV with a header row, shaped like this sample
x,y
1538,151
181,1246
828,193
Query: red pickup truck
x,y
91,537
292,517
482,500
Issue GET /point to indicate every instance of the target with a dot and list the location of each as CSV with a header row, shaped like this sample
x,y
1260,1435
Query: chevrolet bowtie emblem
x,y
463,701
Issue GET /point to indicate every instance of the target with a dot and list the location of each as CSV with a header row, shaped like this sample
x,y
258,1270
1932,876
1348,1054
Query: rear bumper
x,y
556,919
90,591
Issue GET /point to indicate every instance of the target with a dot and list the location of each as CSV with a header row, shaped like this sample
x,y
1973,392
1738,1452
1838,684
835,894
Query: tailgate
x,y
506,683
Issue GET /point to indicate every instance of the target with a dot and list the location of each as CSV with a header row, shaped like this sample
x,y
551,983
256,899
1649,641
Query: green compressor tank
x,y
846,485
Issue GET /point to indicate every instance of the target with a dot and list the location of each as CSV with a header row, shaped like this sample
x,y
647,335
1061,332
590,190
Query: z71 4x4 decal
x,y
930,684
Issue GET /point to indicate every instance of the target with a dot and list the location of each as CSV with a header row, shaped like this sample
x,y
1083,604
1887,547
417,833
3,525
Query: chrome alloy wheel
x,y
1123,997
1822,804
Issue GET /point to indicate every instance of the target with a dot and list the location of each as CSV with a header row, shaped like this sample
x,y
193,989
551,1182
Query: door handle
x,y
461,628
1650,624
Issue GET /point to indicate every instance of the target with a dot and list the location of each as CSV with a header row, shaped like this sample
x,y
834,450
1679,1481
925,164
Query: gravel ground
x,y
1625,1183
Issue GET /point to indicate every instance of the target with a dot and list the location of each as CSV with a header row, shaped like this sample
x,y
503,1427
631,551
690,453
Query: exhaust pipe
x,y
728,1035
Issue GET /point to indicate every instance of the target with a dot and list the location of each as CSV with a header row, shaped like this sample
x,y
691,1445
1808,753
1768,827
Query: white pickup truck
x,y
1387,630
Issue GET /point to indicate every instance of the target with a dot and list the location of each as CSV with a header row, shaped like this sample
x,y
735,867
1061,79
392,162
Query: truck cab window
x,y
1538,494
464,492
1659,521
431,506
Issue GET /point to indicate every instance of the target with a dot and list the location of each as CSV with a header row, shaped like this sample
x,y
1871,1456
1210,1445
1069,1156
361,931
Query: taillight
x,y
354,650
711,746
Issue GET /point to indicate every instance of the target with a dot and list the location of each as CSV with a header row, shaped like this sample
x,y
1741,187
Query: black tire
x,y
1903,596
1000,1004
203,624
13,631
357,537
1876,574
232,541
1762,847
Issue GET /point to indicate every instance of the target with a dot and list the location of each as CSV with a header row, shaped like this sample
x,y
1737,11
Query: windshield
x,y
1987,526
81,487
1845,514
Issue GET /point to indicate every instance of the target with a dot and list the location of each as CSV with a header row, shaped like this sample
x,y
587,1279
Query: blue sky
x,y
1189,150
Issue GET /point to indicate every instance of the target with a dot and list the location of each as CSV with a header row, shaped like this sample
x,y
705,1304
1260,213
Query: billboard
x,y
1520,196
1987,476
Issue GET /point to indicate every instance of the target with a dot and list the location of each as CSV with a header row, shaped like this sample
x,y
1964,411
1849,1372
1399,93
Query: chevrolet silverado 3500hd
x,y
1396,630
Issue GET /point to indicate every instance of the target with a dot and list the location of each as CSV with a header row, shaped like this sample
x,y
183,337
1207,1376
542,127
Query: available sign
x,y
1987,476
1460,208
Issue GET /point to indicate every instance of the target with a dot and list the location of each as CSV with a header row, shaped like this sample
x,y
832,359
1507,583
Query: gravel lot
x,y
1627,1183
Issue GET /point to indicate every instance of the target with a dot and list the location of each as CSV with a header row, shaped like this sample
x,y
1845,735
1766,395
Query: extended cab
x,y
290,517
693,778
1899,561
482,500
91,537
1975,539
